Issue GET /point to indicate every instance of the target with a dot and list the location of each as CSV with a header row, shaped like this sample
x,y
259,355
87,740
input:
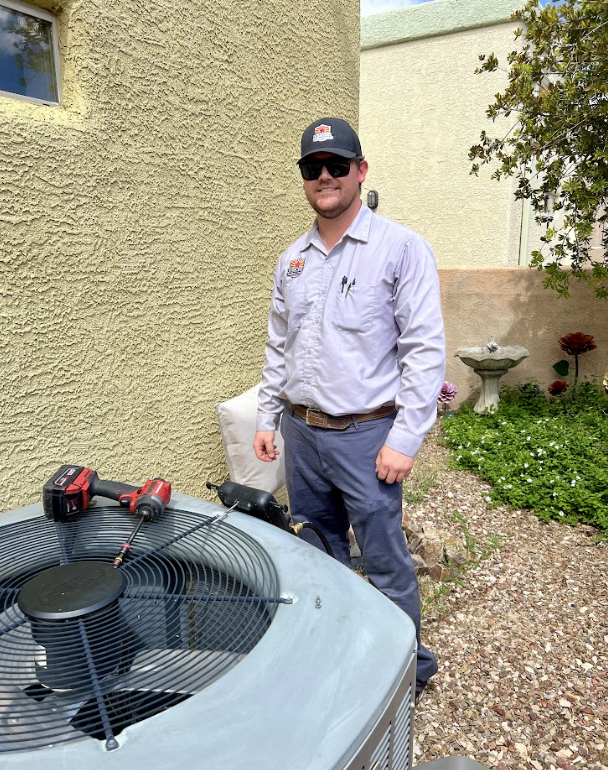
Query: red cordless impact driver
x,y
70,490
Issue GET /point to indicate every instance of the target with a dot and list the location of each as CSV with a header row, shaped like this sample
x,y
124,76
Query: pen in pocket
x,y
350,286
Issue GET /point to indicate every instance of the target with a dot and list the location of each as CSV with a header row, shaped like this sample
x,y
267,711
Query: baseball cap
x,y
331,135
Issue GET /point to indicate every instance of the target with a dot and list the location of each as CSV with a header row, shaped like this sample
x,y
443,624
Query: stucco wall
x,y
140,224
421,109
511,304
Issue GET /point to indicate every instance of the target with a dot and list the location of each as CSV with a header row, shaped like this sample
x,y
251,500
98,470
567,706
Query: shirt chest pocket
x,y
297,303
354,311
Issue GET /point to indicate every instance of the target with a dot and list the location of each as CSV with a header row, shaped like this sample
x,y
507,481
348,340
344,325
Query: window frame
x,y
32,10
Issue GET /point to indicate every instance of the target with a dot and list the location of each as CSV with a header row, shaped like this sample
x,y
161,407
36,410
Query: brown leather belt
x,y
319,419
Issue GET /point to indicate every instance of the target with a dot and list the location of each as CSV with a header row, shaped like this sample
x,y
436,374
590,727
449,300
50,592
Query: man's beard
x,y
337,209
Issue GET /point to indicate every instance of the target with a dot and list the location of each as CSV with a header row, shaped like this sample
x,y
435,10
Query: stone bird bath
x,y
490,362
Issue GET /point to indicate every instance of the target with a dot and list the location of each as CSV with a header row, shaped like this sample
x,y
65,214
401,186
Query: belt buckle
x,y
310,409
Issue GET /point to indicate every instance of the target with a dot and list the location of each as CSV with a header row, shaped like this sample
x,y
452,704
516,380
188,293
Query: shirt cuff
x,y
403,441
268,421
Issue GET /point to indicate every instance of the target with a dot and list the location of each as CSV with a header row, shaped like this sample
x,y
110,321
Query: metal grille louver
x,y
198,597
402,735
380,757
388,745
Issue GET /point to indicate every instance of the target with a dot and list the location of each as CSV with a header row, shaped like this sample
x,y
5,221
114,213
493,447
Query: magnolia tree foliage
x,y
557,145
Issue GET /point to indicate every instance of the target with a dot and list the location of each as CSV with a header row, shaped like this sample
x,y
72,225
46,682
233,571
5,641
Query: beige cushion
x,y
237,423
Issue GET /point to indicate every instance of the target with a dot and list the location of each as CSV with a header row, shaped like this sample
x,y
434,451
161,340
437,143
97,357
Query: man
x,y
354,364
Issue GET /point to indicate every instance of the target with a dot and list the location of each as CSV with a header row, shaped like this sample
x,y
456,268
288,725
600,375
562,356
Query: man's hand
x,y
393,466
264,446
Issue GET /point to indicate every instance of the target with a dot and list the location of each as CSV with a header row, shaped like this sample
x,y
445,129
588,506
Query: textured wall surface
x,y
511,304
140,224
422,108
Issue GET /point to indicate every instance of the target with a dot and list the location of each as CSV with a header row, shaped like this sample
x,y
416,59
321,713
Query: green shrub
x,y
549,455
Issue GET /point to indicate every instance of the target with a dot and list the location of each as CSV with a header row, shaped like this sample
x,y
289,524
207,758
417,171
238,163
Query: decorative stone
x,y
454,551
355,551
439,572
430,547
434,551
419,564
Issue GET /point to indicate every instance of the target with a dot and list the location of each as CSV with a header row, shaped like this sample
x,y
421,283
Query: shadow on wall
x,y
510,304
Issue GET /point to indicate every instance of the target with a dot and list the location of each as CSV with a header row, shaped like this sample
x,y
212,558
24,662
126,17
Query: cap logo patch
x,y
296,266
322,134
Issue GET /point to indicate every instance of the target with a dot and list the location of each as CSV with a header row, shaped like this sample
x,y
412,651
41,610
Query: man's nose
x,y
324,175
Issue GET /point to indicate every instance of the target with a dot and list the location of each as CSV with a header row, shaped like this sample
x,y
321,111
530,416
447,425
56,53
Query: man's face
x,y
330,197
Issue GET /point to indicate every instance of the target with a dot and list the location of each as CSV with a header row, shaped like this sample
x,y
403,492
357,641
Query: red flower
x,y
557,388
576,343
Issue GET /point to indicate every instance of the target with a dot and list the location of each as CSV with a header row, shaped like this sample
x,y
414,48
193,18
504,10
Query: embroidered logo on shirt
x,y
322,134
295,267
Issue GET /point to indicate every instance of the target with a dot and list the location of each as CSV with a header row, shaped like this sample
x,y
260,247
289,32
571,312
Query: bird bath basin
x,y
490,362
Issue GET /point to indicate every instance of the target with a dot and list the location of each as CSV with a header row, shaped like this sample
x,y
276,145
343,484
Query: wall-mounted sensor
x,y
372,199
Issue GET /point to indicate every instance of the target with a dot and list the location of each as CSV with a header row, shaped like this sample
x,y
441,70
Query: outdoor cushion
x,y
237,418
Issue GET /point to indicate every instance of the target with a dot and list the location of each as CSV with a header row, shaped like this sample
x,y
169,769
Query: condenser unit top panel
x,y
302,698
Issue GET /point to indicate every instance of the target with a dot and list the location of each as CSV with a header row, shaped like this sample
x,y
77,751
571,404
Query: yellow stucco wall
x,y
511,304
140,224
421,109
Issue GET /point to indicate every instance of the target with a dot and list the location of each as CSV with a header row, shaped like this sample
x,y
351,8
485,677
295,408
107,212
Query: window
x,y
29,53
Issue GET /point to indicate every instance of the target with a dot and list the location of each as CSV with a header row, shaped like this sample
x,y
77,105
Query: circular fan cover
x,y
194,598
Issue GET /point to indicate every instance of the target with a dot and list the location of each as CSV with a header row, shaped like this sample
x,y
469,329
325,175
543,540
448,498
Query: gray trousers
x,y
331,480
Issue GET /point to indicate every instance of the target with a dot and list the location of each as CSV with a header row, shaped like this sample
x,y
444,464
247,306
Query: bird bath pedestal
x,y
491,362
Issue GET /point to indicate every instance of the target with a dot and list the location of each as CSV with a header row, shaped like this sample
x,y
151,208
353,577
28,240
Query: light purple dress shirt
x,y
357,328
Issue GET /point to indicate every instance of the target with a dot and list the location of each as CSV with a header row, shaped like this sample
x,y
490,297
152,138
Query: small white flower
x,y
561,513
573,483
488,499
526,465
529,481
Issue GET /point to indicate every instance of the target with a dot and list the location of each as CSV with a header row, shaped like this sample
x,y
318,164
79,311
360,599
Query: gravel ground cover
x,y
521,639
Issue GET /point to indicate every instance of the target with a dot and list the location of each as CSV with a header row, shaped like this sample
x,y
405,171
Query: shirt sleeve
x,y
420,347
270,406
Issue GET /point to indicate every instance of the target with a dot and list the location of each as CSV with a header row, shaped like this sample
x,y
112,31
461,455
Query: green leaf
x,y
562,367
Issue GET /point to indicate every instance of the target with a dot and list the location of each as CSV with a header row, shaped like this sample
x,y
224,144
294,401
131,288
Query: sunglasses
x,y
313,167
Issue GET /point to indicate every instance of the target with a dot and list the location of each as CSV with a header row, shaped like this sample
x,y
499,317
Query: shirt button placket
x,y
315,337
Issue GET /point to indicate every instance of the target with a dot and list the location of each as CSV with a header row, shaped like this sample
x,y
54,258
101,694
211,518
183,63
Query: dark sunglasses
x,y
313,167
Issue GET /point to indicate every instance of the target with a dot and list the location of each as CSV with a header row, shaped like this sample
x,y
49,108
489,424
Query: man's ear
x,y
363,168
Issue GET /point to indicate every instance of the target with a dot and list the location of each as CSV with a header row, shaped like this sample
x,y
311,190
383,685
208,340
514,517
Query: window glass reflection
x,y
27,65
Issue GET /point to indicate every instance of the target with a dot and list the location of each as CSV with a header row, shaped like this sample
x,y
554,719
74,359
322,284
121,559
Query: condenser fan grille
x,y
87,652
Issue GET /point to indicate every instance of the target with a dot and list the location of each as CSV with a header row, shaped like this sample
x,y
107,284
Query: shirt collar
x,y
358,231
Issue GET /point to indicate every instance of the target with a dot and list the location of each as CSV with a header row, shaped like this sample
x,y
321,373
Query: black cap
x,y
331,135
